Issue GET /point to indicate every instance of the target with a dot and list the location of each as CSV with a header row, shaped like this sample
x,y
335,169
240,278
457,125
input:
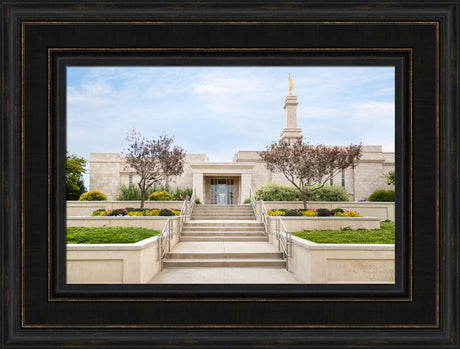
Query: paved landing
x,y
220,275
224,276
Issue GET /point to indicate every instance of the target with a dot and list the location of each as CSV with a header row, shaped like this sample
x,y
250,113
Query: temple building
x,y
231,182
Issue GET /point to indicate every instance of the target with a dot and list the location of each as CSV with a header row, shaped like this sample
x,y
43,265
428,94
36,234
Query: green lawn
x,y
384,235
108,235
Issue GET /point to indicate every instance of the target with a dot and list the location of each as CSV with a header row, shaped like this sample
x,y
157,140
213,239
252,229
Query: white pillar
x,y
198,184
290,132
246,182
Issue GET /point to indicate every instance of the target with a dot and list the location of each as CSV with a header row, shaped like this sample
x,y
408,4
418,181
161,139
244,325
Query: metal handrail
x,y
283,236
167,234
164,239
260,211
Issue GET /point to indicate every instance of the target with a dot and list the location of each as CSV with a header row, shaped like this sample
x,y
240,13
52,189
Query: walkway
x,y
212,250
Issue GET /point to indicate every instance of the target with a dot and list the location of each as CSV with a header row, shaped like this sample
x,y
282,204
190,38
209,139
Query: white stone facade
x,y
108,171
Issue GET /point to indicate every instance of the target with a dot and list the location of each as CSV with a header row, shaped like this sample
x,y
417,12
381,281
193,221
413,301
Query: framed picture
x,y
44,42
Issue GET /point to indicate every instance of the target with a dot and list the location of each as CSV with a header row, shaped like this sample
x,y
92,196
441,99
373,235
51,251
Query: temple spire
x,y
290,132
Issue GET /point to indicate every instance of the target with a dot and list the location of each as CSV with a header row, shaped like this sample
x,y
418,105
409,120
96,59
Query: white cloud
x,y
221,110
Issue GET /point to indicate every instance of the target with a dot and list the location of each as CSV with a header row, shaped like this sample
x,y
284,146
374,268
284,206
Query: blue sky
x,y
220,110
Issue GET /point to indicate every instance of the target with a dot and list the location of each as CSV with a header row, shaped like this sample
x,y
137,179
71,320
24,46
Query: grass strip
x,y
384,235
108,235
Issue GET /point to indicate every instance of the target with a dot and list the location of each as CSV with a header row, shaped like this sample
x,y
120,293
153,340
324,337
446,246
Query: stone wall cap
x,y
80,218
367,247
364,218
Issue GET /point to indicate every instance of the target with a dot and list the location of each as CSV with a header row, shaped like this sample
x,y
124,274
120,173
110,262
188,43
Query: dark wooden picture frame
x,y
41,38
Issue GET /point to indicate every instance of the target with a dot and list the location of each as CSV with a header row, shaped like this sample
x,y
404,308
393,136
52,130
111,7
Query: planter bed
x,y
114,263
155,222
327,223
383,210
85,208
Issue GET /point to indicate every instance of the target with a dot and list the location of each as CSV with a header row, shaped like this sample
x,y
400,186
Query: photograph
x,y
230,174
220,174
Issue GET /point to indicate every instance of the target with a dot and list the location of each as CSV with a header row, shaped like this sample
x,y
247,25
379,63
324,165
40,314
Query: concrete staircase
x,y
219,212
243,241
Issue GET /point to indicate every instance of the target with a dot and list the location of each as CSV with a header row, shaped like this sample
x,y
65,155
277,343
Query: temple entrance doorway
x,y
222,191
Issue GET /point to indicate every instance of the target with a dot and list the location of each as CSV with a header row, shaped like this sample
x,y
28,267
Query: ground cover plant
x,y
131,211
108,235
384,235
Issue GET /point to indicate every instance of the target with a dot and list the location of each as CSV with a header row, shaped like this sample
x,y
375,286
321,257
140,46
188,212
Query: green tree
x,y
304,164
390,177
75,167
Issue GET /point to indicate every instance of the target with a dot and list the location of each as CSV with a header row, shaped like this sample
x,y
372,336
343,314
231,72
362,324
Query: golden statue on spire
x,y
291,84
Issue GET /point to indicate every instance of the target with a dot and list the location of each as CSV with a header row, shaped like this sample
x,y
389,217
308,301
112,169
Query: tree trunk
x,y
304,196
142,198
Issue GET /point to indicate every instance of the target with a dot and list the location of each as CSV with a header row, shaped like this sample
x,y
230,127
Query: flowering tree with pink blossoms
x,y
153,160
304,164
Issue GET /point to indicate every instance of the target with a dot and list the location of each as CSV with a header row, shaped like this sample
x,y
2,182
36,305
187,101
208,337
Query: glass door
x,y
222,191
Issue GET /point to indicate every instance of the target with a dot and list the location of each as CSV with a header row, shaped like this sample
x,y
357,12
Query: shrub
x,y
275,213
329,193
117,212
181,193
347,214
309,213
322,212
99,212
131,193
160,196
292,213
198,202
93,195
335,210
382,195
247,201
166,212
276,192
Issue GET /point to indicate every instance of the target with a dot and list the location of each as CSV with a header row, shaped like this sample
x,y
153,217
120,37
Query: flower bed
x,y
312,212
140,212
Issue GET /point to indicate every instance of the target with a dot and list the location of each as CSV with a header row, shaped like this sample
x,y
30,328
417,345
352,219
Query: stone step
x,y
223,210
216,263
216,228
222,213
223,206
224,255
223,238
219,217
222,233
224,223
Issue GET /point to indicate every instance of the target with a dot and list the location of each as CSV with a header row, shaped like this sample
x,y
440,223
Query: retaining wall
x,y
114,263
340,263
294,224
155,222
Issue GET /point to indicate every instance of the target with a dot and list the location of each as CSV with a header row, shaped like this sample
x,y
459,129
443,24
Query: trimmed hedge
x,y
93,195
382,195
160,196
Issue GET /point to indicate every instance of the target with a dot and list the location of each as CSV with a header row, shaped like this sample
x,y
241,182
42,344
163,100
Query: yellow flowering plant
x,y
347,214
309,213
